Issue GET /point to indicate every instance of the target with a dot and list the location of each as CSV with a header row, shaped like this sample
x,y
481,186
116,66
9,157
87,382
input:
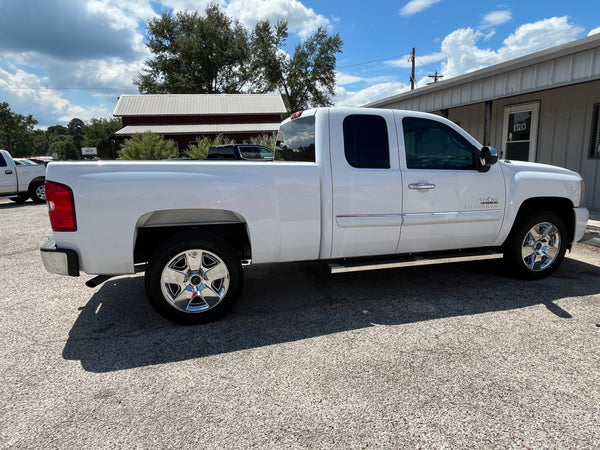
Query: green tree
x,y
196,54
98,133
16,132
213,54
64,146
305,79
148,146
40,143
75,128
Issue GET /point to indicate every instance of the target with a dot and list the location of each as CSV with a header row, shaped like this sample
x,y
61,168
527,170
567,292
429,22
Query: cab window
x,y
366,142
433,145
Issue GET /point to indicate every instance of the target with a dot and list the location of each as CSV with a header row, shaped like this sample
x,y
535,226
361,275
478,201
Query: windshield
x,y
296,140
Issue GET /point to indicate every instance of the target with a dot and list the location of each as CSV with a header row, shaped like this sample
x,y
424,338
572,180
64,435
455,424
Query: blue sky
x,y
61,59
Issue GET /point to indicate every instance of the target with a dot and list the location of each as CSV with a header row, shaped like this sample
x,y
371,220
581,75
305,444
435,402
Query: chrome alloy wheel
x,y
541,246
40,192
194,281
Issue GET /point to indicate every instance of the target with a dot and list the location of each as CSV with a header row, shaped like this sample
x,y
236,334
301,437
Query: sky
x,y
65,59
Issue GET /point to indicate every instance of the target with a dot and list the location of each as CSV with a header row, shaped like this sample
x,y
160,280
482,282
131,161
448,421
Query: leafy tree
x,y
213,54
40,143
64,146
199,149
148,146
16,131
75,128
305,79
98,133
55,130
196,54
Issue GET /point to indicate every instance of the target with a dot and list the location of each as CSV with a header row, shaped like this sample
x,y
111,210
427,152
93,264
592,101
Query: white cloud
x,y
463,55
594,31
416,6
378,91
496,18
532,37
342,79
26,95
460,53
301,20
420,60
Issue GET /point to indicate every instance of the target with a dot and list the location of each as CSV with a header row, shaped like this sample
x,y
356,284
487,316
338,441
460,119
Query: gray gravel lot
x,y
454,356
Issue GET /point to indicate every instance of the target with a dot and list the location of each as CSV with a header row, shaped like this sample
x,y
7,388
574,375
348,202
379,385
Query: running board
x,y
409,261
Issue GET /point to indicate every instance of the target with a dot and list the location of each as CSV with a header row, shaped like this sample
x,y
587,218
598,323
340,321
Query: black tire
x,y
37,192
194,296
536,246
21,198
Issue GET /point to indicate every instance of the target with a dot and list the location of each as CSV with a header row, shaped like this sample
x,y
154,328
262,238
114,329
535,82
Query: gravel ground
x,y
454,356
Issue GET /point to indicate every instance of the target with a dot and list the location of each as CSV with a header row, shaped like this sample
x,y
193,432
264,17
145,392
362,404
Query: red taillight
x,y
61,206
296,114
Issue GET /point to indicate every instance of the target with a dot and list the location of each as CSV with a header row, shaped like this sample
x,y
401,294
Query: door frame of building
x,y
534,107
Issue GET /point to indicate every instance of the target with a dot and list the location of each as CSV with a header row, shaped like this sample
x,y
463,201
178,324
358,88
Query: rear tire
x,y
193,278
536,246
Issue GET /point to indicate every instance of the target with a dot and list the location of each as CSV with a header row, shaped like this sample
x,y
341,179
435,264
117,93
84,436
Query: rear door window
x,y
366,142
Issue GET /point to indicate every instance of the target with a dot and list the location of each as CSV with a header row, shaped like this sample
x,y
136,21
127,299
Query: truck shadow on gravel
x,y
117,329
12,205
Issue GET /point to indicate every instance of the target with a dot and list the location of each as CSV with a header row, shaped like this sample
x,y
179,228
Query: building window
x,y
595,141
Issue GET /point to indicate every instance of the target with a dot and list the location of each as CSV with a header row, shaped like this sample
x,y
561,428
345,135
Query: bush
x,y
199,150
148,146
267,140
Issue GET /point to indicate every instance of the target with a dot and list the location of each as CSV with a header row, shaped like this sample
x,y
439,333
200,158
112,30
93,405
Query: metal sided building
x,y
542,107
184,118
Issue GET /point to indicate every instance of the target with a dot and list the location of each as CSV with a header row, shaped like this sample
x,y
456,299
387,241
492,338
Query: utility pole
x,y
435,77
412,73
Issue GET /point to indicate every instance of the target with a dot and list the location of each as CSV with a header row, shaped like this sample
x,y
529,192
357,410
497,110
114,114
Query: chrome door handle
x,y
8,172
421,186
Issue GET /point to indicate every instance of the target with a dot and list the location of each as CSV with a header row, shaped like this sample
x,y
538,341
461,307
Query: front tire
x,y
536,246
193,279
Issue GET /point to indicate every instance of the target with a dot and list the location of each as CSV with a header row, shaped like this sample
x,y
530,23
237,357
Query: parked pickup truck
x,y
246,152
358,188
21,181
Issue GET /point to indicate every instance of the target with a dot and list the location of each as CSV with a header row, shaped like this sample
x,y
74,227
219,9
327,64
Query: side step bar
x,y
410,261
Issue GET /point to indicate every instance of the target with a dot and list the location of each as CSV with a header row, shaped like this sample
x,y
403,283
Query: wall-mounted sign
x,y
89,151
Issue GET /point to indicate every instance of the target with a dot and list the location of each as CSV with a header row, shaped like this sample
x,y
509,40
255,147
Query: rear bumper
x,y
581,217
61,261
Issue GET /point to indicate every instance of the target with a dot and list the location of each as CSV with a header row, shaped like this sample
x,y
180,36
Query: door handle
x,y
8,172
421,186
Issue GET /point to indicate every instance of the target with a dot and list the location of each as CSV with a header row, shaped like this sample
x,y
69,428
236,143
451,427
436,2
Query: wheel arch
x,y
36,180
561,206
154,228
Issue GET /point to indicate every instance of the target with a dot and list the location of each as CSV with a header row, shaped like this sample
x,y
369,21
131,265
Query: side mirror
x,y
488,156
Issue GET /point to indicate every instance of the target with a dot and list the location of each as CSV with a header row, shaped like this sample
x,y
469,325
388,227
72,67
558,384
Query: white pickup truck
x,y
20,182
358,188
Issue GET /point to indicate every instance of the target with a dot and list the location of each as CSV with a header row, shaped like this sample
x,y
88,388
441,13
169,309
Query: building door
x,y
519,135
